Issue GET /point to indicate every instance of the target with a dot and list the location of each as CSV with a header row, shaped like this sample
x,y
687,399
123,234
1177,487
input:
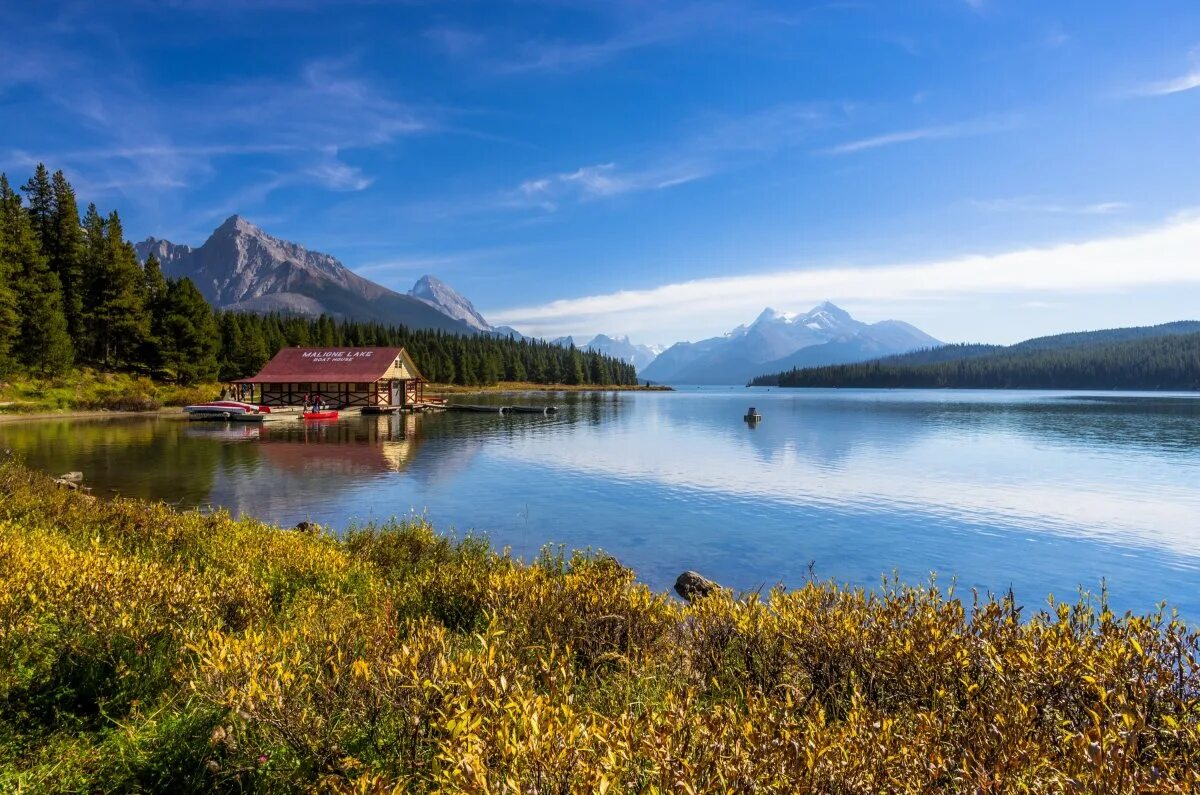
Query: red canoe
x,y
320,415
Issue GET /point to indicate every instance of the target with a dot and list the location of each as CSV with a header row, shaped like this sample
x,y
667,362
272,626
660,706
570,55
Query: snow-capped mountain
x,y
777,341
443,298
620,347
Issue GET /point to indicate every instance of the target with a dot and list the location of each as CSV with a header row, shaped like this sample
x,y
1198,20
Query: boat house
x,y
371,378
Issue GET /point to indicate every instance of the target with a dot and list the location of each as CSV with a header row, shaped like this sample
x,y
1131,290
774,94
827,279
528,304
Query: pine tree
x,y
9,269
92,268
154,290
254,353
575,371
190,339
117,312
64,249
42,343
232,343
40,197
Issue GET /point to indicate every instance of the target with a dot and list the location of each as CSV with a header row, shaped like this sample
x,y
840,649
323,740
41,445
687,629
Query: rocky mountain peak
x,y
236,224
243,268
442,297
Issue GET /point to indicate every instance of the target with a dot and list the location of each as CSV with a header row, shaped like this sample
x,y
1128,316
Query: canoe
x,y
469,407
215,416
226,407
240,404
212,408
320,415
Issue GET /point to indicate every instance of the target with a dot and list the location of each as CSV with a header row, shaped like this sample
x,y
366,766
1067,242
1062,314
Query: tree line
x,y
73,293
247,342
1168,362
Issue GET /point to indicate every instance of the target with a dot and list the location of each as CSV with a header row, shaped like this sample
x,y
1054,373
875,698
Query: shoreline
x,y
504,387
527,386
84,414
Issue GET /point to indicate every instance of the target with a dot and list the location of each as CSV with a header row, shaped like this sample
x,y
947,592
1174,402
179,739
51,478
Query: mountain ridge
x,y
240,267
1164,356
824,334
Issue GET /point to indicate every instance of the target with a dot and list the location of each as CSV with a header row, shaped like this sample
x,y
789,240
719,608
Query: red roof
x,y
337,365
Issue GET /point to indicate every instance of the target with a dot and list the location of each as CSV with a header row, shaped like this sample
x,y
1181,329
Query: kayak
x,y
320,415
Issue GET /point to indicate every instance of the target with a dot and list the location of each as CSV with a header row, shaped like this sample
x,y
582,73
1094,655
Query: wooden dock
x,y
501,409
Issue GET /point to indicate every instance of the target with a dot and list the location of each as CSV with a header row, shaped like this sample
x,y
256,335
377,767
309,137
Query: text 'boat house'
x,y
345,377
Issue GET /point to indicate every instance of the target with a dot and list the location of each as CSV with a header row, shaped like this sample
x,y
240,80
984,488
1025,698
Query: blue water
x,y
1042,492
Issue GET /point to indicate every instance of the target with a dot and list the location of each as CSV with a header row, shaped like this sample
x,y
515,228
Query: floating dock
x,y
502,409
531,409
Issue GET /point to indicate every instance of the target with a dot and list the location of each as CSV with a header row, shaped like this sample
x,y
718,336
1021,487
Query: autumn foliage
x,y
147,649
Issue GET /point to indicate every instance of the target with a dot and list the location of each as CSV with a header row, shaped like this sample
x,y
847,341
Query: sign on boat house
x,y
343,377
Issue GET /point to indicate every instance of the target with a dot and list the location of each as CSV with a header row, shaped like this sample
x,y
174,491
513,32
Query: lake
x,y
1043,492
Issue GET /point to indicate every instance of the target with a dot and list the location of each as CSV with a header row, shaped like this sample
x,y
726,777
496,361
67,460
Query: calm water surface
x,y
1044,492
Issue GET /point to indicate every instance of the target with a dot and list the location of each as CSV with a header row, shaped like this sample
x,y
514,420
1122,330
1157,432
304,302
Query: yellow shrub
x,y
142,648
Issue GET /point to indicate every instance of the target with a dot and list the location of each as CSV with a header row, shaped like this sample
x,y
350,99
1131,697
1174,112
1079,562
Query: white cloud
x,y
1160,256
603,180
944,131
1033,204
1175,85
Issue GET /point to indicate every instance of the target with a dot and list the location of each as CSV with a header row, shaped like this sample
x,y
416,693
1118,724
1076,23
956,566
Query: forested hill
x,y
1163,357
72,292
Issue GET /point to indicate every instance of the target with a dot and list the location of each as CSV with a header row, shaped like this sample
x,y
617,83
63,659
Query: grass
x,y
144,649
90,390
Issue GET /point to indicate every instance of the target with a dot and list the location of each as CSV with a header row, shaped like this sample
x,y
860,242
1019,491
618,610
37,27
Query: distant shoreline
x,y
526,386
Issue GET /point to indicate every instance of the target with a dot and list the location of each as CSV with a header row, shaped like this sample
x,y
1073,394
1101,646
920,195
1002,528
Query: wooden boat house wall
x,y
340,377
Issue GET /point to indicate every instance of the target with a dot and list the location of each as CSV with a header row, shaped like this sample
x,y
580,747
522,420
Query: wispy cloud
x,y
456,42
299,127
1033,204
1164,255
721,144
1176,85
938,132
1187,81
629,26
600,181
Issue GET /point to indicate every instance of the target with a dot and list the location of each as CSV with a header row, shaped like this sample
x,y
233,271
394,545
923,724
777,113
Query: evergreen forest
x,y
73,294
1163,357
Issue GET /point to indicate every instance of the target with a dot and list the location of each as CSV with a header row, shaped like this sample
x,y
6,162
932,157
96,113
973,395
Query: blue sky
x,y
986,169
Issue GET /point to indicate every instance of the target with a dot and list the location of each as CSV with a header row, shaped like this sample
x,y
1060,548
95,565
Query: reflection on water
x,y
1041,491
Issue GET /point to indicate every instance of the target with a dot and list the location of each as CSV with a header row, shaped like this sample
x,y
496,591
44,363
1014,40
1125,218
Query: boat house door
x,y
394,393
